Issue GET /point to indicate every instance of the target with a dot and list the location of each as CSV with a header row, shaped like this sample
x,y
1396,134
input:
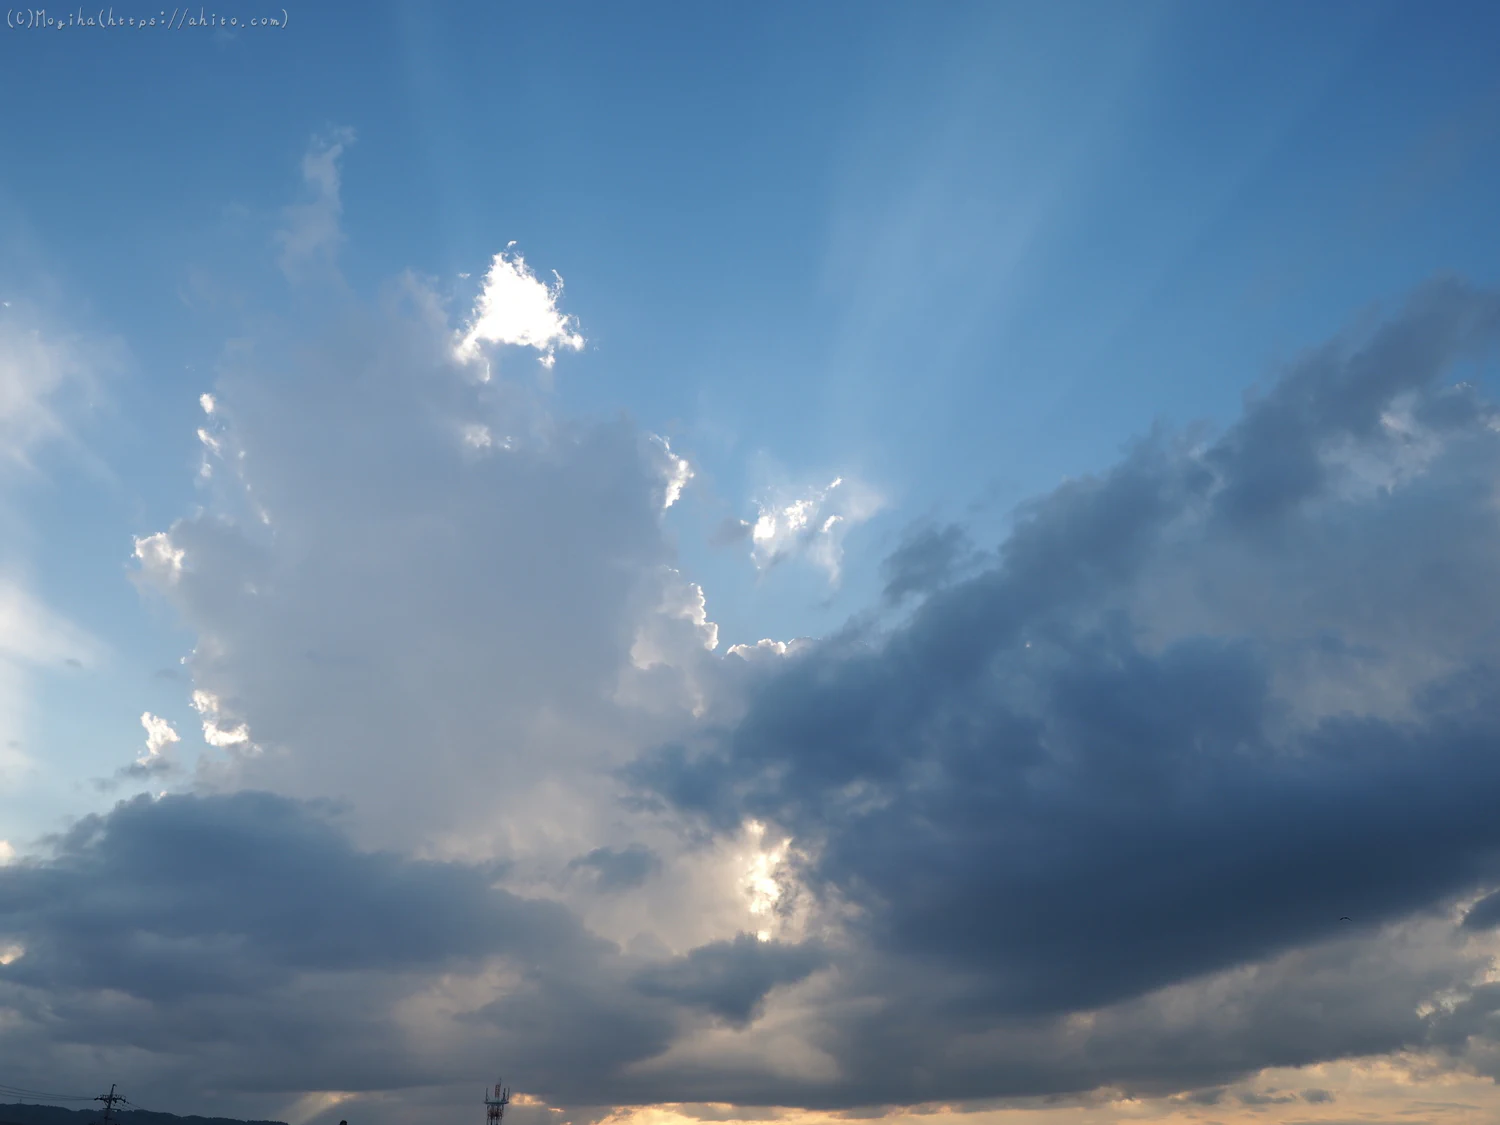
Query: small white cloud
x,y
159,735
678,636
206,703
812,525
518,309
765,645
675,470
11,952
219,737
7,853
681,602
207,402
477,437
693,607
160,558
765,649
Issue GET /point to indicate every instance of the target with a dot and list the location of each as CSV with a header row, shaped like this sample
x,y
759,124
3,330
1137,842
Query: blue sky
x,y
948,255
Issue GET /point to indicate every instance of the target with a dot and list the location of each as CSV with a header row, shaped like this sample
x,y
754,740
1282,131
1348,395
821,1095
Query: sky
x,y
757,563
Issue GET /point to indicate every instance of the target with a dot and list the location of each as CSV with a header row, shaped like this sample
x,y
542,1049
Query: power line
x,y
23,1092
111,1116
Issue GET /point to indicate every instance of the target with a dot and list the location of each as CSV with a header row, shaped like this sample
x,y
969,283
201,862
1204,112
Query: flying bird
x,y
1346,918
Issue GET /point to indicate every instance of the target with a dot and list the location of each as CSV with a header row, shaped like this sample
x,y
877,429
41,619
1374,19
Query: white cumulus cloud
x,y
159,556
159,735
517,308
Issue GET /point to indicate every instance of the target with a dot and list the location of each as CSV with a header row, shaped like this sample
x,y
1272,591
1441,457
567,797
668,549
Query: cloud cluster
x,y
389,613
1202,706
246,935
1085,819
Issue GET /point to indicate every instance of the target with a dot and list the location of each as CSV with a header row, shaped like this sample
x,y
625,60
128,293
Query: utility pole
x,y
109,1100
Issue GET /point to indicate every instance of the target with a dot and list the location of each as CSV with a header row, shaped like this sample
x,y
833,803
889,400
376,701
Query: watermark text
x,y
178,19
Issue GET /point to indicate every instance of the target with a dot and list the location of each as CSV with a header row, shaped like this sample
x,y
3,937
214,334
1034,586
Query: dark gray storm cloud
x,y
1274,459
229,894
245,936
731,978
1255,1098
1485,914
926,560
1205,704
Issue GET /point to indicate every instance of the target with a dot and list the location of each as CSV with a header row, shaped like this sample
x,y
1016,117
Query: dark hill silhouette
x,y
22,1113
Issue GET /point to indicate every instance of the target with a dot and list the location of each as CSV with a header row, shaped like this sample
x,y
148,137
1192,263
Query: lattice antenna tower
x,y
494,1107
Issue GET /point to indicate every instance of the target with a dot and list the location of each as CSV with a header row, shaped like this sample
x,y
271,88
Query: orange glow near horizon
x,y
1373,1092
